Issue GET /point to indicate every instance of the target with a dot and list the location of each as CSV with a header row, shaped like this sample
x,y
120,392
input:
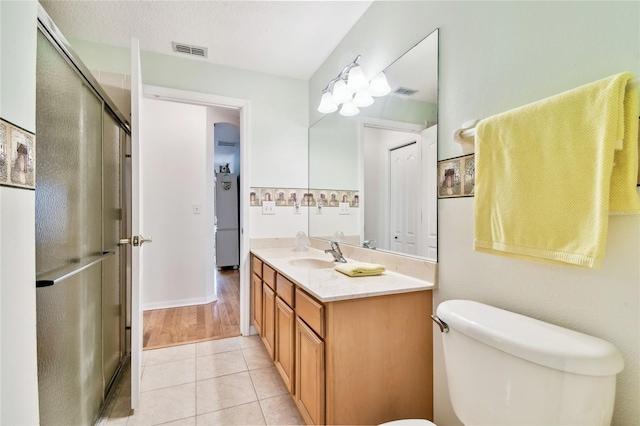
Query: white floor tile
x,y
173,353
257,357
224,392
168,374
247,414
249,341
281,410
217,346
165,405
268,382
220,365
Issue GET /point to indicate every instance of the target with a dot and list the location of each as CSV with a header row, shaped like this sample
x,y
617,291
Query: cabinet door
x,y
256,303
285,332
309,377
269,323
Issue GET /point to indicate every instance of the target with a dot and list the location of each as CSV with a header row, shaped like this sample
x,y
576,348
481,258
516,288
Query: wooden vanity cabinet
x,y
355,361
269,324
269,308
256,294
285,331
310,374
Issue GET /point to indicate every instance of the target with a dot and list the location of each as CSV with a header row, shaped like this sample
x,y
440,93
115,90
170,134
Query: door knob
x,y
136,240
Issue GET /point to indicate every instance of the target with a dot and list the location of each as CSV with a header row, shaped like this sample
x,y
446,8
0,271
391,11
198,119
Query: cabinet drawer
x,y
311,311
285,289
269,276
257,266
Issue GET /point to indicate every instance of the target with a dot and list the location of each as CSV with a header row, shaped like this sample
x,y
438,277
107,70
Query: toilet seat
x,y
410,422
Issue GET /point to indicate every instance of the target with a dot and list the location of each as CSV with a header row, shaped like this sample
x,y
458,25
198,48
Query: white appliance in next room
x,y
227,220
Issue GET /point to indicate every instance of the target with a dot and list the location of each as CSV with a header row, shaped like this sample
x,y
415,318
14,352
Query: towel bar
x,y
53,277
469,132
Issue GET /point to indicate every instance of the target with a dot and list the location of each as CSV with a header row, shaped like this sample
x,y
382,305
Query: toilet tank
x,y
505,368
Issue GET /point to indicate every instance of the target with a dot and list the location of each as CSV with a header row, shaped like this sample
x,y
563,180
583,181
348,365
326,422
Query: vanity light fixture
x,y
351,89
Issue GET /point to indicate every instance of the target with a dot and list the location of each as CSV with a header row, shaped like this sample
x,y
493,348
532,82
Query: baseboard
x,y
179,303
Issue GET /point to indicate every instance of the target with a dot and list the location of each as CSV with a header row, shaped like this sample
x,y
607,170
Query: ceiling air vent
x,y
189,50
406,92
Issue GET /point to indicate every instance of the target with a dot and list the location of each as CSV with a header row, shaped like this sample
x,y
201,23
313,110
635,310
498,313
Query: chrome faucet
x,y
369,244
336,252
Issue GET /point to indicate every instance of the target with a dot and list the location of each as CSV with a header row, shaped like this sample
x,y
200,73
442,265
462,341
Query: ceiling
x,y
286,38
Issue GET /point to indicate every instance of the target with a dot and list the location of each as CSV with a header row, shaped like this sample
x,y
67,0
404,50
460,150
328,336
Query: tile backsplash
x,y
304,196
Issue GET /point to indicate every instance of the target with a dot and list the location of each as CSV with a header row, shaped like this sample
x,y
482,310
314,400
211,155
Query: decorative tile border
x,y
304,196
457,177
17,156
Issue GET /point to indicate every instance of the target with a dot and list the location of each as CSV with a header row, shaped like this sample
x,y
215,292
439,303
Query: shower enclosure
x,y
81,215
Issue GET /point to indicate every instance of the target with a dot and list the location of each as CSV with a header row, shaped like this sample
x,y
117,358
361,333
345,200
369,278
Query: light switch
x,y
196,209
319,208
268,207
343,208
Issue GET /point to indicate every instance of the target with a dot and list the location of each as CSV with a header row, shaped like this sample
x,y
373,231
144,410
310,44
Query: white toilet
x,y
508,369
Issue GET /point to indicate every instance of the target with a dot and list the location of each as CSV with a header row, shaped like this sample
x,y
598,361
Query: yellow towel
x,y
360,269
545,174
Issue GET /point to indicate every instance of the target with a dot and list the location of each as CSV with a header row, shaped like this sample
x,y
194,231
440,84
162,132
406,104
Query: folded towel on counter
x,y
549,173
360,269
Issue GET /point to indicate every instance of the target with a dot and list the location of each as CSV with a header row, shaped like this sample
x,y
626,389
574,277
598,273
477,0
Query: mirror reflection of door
x,y
405,198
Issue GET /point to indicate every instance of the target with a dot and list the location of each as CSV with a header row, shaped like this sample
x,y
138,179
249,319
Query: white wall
x,y
495,56
177,271
278,122
18,351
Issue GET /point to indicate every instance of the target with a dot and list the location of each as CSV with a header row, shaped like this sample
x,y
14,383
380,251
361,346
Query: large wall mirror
x,y
372,177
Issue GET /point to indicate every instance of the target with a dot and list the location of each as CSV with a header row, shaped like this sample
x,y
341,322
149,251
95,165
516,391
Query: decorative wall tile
x,y
306,197
457,177
17,156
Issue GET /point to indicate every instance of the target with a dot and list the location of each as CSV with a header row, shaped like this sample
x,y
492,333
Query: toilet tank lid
x,y
531,339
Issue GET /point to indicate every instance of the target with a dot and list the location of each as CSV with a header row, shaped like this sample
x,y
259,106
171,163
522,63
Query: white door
x,y
405,198
430,199
136,226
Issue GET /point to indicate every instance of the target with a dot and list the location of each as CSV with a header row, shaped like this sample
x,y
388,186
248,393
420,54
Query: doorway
x,y
187,298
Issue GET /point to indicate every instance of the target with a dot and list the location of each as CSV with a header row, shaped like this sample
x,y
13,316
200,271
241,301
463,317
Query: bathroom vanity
x,y
350,350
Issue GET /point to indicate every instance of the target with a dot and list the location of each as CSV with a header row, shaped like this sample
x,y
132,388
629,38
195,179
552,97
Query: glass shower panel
x,y
112,291
69,359
68,231
69,187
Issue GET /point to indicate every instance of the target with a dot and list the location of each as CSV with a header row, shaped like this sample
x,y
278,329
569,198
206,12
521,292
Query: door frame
x,y
243,105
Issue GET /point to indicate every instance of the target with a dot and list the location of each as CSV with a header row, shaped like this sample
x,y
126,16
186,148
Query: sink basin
x,y
311,263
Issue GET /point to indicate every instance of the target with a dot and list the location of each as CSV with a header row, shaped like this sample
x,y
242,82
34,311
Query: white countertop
x,y
329,285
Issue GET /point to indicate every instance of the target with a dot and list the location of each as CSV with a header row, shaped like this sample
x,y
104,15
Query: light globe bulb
x,y
379,85
349,109
326,104
340,92
356,79
362,99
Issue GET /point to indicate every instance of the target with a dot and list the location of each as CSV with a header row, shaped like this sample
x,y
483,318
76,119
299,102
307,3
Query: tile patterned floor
x,y
220,382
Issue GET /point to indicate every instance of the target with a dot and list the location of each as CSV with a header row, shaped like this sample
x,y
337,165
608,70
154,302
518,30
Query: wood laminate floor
x,y
192,324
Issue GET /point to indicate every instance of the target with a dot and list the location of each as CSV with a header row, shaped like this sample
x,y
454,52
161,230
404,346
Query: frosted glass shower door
x,y
78,224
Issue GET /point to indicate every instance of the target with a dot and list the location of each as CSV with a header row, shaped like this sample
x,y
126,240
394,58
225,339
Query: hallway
x,y
220,382
192,324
